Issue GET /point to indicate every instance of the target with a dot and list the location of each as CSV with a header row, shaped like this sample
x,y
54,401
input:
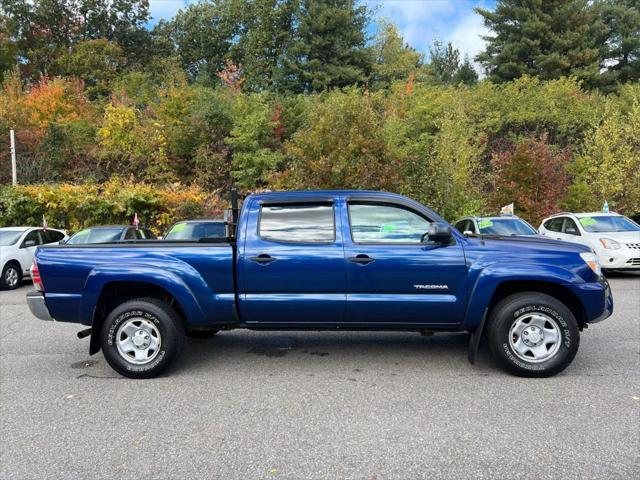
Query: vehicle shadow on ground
x,y
331,349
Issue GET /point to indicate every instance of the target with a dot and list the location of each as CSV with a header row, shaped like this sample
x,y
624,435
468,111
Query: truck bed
x,y
74,276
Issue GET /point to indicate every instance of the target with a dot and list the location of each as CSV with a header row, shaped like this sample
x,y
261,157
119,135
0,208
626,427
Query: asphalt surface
x,y
318,405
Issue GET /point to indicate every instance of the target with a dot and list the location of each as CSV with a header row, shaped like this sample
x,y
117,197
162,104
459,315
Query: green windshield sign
x,y
485,223
588,221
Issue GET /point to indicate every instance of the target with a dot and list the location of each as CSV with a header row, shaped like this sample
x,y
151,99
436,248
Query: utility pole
x,y
14,172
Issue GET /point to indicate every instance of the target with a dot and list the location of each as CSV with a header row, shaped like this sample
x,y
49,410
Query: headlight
x,y
591,259
610,244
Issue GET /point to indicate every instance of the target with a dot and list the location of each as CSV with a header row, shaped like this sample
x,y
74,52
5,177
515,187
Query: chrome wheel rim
x,y
11,277
138,341
535,337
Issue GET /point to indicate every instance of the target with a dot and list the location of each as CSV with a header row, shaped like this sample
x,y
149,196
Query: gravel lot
x,y
318,405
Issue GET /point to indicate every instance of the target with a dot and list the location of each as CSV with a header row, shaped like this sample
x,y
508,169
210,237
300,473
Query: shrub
x,y
74,207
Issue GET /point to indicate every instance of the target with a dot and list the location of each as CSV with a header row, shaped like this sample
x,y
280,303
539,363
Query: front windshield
x,y
95,235
608,223
196,231
505,226
9,237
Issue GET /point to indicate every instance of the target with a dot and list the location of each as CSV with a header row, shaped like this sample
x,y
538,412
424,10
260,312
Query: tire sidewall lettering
x,y
113,328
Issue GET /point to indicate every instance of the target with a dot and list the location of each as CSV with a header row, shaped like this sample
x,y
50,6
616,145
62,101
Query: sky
x,y
420,21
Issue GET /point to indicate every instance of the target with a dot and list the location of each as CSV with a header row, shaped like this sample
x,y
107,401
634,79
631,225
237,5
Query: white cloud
x,y
466,36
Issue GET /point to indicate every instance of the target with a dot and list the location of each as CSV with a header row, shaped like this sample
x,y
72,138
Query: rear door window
x,y
299,223
554,225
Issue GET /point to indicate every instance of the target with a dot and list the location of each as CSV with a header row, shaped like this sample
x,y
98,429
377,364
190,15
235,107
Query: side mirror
x,y
29,243
571,231
466,233
438,233
62,242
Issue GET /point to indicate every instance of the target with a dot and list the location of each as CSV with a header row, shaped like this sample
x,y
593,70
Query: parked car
x,y
110,233
504,225
17,247
196,229
327,260
614,238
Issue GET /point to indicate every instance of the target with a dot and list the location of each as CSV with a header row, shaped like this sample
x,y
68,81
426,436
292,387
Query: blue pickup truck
x,y
326,260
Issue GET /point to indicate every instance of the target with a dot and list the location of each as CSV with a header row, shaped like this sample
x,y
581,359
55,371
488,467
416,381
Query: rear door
x,y
293,269
28,247
392,277
553,228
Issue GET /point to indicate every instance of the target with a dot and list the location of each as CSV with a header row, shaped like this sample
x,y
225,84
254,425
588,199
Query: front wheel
x,y
533,334
141,338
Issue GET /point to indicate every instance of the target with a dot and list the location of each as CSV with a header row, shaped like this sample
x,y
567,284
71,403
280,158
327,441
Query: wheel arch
x,y
556,290
115,293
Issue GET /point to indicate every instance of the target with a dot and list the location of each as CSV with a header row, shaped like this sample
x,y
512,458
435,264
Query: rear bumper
x,y
38,306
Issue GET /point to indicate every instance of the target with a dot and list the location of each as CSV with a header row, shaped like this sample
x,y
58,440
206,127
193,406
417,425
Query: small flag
x,y
45,225
605,207
136,222
507,210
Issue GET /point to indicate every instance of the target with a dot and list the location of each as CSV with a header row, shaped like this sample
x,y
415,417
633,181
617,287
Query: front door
x,y
293,270
395,279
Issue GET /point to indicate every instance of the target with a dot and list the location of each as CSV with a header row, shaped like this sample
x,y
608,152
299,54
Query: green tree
x,y
203,35
96,62
445,65
329,46
394,59
44,30
549,39
608,166
621,48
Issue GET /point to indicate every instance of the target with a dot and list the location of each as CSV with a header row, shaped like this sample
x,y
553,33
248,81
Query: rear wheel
x,y
11,276
141,338
533,334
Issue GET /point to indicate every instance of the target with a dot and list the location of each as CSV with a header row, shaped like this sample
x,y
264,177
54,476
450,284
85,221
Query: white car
x,y
17,247
615,238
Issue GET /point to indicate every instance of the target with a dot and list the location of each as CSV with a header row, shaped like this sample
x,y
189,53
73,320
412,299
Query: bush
x,y
74,207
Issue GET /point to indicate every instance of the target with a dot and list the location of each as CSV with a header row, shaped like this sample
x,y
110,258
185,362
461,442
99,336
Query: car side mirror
x,y
438,233
62,242
29,243
571,231
466,233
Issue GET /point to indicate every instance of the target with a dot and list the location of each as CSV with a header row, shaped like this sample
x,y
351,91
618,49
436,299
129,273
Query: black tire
x,y
148,313
6,271
201,333
536,309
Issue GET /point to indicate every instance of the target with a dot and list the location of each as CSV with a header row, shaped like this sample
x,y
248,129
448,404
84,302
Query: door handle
x,y
361,259
263,258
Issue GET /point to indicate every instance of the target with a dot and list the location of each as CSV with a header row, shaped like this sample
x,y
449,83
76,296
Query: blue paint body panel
x,y
311,286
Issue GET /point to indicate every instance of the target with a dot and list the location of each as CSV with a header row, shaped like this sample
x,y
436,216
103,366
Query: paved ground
x,y
318,405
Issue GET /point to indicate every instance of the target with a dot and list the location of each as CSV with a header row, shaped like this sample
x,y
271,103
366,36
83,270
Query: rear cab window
x,y
298,223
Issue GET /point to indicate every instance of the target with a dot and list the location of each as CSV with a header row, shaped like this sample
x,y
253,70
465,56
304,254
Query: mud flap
x,y
474,340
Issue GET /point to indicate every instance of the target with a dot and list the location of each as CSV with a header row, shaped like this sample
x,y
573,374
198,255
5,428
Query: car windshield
x,y
505,226
607,223
9,237
196,231
96,235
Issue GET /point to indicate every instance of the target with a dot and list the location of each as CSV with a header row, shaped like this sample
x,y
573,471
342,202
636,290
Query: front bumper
x,y
38,306
596,299
623,259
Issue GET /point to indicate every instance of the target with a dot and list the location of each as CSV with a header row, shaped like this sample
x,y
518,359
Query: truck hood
x,y
535,242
